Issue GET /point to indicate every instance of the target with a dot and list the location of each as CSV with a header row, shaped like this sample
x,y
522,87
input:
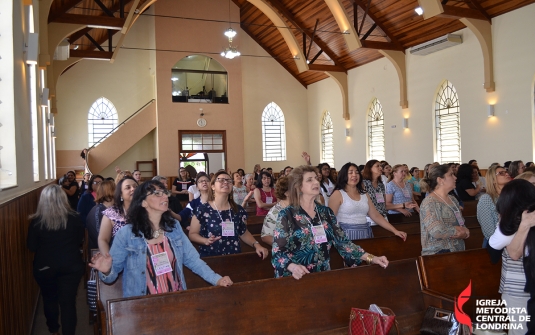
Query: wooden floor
x,y
83,327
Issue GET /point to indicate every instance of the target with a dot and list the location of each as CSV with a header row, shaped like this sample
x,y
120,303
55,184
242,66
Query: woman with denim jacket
x,y
152,249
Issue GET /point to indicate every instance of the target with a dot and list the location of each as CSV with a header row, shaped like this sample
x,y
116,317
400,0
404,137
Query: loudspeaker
x,y
44,97
32,48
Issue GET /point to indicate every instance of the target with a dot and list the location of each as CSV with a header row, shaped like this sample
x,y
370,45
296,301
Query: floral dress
x,y
211,219
116,217
294,241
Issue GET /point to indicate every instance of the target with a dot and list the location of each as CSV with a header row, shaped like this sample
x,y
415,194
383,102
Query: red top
x,y
263,197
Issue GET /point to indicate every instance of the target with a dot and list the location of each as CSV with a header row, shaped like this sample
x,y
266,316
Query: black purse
x,y
441,322
92,291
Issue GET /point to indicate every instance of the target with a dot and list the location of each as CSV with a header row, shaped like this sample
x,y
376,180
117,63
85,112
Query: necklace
x,y
157,233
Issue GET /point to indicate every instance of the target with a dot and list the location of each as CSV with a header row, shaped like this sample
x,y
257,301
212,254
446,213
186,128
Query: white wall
x,y
507,136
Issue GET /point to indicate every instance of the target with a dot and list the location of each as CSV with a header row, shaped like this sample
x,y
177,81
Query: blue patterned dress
x,y
211,226
294,241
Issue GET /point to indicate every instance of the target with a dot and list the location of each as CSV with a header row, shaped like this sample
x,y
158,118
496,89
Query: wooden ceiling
x,y
381,24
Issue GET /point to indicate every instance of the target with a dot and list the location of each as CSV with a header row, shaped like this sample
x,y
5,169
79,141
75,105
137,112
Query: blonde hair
x,y
492,188
295,182
394,169
525,175
53,209
121,175
105,192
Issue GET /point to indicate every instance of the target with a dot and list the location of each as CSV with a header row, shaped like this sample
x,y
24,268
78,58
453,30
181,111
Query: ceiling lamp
x,y
419,10
230,52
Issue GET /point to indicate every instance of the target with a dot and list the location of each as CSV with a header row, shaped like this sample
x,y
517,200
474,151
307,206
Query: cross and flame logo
x,y
460,315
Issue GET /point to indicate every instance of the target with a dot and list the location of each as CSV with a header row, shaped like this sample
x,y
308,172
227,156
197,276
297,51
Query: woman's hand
x,y
404,212
306,157
211,240
401,234
101,263
297,270
461,233
380,260
261,251
528,219
410,204
224,281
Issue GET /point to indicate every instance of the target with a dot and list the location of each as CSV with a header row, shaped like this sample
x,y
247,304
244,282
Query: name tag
x,y
228,228
184,186
330,189
319,234
161,263
379,197
459,218
406,193
269,200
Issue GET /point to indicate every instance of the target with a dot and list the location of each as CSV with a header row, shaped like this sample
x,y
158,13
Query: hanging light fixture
x,y
230,52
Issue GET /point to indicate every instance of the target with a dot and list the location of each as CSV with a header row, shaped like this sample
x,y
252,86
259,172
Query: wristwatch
x,y
255,242
403,205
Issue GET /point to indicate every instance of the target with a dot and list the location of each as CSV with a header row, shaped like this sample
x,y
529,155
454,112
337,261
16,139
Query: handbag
x,y
366,322
441,322
92,291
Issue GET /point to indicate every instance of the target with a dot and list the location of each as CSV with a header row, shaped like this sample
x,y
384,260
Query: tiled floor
x,y
83,327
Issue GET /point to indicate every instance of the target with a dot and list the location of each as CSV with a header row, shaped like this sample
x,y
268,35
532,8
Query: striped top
x,y
513,279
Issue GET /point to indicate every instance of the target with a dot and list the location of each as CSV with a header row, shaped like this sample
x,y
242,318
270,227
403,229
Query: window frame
x,y
447,110
376,130
273,110
111,110
327,128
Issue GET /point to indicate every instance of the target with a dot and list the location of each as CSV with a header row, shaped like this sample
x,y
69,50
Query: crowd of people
x,y
148,231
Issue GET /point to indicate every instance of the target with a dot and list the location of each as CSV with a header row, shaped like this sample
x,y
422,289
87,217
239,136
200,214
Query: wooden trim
x,y
380,45
323,68
91,54
90,20
455,13
222,132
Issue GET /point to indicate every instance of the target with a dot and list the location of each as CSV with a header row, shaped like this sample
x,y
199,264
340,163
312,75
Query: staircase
x,y
121,138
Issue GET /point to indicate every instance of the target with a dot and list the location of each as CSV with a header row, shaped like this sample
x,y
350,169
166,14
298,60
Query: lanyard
x,y
265,194
317,231
455,209
218,213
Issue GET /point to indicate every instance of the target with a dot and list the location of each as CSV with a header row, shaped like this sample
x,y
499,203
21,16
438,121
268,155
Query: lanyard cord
x,y
218,213
454,211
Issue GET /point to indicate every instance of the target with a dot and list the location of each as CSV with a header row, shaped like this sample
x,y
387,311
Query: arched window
x,y
327,146
273,133
101,119
376,131
447,125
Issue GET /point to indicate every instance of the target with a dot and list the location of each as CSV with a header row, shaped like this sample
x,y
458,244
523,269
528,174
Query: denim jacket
x,y
129,253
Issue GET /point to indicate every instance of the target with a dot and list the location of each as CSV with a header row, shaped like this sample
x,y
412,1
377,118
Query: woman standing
x,y
441,220
181,185
307,231
137,176
103,200
264,194
327,182
516,237
272,217
115,217
516,168
373,183
84,184
219,224
350,205
72,189
487,215
399,198
465,189
239,191
55,235
87,200
152,249
203,185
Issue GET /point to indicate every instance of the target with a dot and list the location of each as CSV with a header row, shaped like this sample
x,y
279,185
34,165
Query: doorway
x,y
202,150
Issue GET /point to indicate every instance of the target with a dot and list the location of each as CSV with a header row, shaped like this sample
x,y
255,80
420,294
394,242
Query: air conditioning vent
x,y
437,44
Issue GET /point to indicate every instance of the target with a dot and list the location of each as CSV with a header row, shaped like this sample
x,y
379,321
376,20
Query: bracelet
x,y
403,205
255,242
369,258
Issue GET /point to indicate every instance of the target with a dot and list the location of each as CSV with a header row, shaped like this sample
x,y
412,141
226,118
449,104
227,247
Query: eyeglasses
x,y
204,181
224,180
160,193
502,173
97,182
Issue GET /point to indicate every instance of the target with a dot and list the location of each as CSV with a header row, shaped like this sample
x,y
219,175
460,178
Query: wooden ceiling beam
x,y
90,20
65,7
299,25
388,33
323,68
91,54
455,13
380,45
246,29
481,9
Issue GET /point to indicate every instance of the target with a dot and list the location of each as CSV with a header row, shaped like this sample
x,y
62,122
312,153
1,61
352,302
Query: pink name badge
x,y
459,218
379,197
319,234
228,228
184,186
161,263
269,200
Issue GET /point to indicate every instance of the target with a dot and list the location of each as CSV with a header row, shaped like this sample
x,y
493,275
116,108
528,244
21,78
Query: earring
x,y
122,199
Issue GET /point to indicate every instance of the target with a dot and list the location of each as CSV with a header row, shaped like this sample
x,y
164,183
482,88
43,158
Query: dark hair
x,y
471,161
199,175
360,167
434,173
528,164
243,172
513,168
341,183
464,172
138,216
516,196
281,187
135,171
367,172
259,179
506,164
415,168
117,202
320,166
90,186
230,197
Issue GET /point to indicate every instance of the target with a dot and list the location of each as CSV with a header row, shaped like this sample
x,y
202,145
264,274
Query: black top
x,y
92,223
73,199
462,186
183,186
56,248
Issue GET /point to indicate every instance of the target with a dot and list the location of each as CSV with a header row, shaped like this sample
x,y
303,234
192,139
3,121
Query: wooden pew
x,y
319,303
414,226
248,266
